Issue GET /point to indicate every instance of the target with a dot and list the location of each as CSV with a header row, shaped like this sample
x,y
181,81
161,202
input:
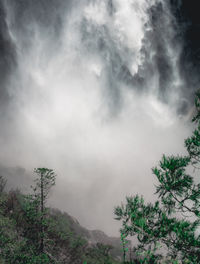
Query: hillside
x,y
66,241
92,237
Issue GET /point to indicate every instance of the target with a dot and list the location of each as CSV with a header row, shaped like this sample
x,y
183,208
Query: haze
x,y
94,90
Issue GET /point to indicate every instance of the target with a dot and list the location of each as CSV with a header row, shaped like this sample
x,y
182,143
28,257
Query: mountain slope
x,y
66,241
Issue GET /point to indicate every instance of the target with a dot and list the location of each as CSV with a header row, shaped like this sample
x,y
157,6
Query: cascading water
x,y
86,84
129,44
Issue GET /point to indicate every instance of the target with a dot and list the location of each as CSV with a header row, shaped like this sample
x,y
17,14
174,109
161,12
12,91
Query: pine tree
x,y
172,222
43,184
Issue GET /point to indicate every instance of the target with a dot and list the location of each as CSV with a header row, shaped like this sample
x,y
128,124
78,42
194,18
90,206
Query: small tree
x,y
173,220
23,222
43,184
33,206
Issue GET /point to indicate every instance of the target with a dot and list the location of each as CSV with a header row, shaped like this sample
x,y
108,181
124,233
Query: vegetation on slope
x,y
30,233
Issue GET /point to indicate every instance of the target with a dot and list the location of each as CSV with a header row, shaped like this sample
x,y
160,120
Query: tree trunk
x,y
42,213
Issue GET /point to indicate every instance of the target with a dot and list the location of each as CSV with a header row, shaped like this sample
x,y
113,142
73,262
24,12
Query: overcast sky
x,y
97,90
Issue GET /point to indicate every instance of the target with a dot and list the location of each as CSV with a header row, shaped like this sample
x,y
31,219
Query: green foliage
x,y
99,254
20,226
44,182
104,249
20,231
173,220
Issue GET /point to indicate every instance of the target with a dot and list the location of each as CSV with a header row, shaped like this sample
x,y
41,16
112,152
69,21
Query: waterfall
x,y
118,45
88,83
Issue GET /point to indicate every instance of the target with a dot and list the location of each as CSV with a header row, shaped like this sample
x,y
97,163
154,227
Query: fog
x,y
96,91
